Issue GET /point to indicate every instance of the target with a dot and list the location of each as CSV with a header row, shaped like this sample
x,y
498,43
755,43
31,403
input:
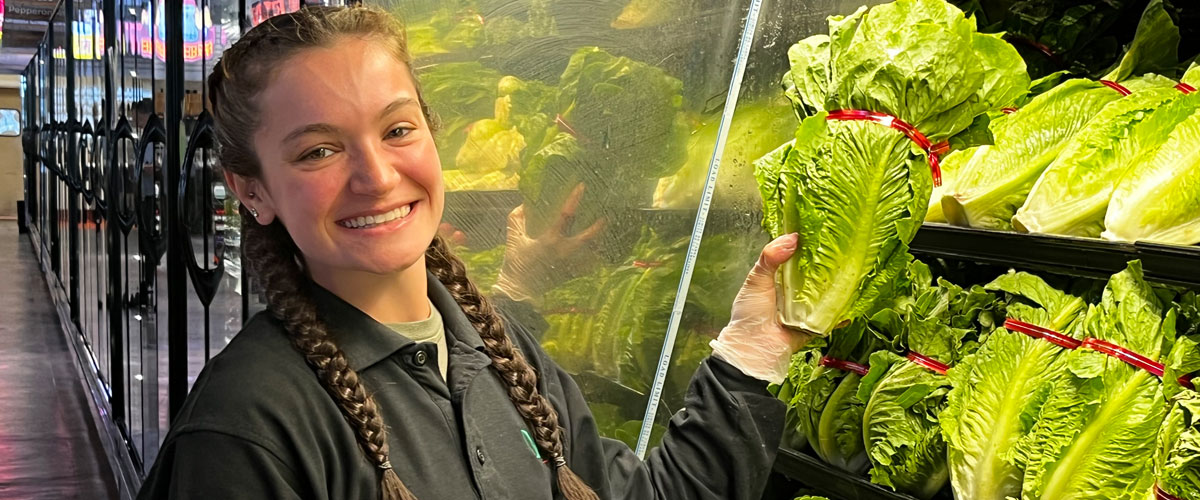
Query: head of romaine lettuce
x,y
856,192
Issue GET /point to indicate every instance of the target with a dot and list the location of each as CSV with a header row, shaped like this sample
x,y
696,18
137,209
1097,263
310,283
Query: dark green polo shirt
x,y
258,424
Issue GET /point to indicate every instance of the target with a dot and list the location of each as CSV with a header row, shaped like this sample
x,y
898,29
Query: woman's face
x,y
348,160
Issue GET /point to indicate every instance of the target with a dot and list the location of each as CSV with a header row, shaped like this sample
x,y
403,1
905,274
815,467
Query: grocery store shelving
x,y
1087,257
833,482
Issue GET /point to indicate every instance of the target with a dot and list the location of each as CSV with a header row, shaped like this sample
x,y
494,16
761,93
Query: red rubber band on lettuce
x,y
891,121
927,362
1008,111
1129,357
940,148
1038,332
1159,494
1117,87
1188,380
1185,88
564,126
1041,47
846,366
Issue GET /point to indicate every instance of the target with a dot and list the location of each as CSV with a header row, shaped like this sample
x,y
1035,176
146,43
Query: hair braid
x,y
514,370
288,300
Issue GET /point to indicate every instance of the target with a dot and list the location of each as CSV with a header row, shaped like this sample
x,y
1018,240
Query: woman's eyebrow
x,y
327,128
397,104
309,129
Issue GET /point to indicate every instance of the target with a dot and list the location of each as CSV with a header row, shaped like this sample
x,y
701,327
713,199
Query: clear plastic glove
x,y
755,341
534,265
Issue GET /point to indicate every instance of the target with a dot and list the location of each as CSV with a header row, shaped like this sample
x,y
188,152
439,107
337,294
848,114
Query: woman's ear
x,y
253,195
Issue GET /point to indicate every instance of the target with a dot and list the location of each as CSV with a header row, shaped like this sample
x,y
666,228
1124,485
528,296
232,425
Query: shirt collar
x,y
366,341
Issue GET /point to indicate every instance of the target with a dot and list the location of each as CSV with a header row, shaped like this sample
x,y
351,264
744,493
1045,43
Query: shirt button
x,y
479,455
420,358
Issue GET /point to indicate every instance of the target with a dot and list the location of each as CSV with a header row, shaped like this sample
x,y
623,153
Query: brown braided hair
x,y
274,259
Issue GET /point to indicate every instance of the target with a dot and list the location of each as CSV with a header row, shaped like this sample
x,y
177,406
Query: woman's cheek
x,y
312,199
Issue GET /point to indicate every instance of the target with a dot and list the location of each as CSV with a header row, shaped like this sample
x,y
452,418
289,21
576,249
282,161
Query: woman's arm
x,y
721,445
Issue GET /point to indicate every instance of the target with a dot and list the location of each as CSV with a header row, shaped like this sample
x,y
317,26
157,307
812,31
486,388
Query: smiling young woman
x,y
422,389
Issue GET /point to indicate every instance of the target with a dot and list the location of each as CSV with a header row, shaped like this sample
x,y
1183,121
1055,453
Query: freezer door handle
x,y
205,280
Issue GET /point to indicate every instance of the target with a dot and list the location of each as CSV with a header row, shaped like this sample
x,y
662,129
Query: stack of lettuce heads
x,y
997,389
1094,435
857,191
1082,160
1160,199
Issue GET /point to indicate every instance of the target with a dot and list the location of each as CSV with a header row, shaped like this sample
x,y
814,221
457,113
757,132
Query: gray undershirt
x,y
427,330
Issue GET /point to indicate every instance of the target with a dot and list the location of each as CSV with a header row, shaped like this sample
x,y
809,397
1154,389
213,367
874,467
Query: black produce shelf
x,y
1087,257
832,482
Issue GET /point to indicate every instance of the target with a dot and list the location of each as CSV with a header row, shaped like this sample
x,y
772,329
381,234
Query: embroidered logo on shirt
x,y
532,445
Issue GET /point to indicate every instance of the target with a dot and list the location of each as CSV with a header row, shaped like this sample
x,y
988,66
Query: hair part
x,y
244,70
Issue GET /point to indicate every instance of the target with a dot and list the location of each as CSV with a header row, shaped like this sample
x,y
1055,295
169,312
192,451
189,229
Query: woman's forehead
x,y
353,77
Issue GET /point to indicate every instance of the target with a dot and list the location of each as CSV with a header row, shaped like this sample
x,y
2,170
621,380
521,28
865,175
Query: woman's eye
x,y
399,132
317,154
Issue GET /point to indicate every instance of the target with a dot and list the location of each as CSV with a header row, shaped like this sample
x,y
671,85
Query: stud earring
x,y
253,212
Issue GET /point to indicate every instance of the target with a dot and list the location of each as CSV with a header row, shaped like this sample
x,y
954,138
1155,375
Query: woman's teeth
x,y
374,220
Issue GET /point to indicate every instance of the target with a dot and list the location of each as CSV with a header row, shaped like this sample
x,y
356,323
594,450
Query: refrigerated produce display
x,y
999,214
1058,201
1001,271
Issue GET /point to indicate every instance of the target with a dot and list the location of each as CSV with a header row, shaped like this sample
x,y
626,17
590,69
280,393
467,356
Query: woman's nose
x,y
374,174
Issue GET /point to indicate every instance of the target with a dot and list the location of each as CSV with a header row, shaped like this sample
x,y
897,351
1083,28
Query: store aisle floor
x,y
49,448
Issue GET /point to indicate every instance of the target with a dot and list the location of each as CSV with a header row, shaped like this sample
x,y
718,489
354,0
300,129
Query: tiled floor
x,y
48,445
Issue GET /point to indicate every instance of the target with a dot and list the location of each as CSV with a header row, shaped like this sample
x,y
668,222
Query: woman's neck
x,y
388,298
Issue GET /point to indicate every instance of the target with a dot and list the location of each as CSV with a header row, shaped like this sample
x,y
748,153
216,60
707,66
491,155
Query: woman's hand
x,y
533,265
755,341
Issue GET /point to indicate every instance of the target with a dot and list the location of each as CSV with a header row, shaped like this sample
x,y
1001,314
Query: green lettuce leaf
x,y
901,428
1177,456
490,147
840,438
1094,436
831,405
996,390
1071,196
1182,362
805,84
1160,200
900,425
857,191
458,94
795,435
952,166
1155,45
756,129
627,130
644,13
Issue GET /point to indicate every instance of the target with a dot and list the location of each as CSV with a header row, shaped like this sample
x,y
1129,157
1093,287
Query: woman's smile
x,y
379,221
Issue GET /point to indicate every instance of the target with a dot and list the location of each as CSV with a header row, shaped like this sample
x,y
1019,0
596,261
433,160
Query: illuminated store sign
x,y
262,10
147,35
89,35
